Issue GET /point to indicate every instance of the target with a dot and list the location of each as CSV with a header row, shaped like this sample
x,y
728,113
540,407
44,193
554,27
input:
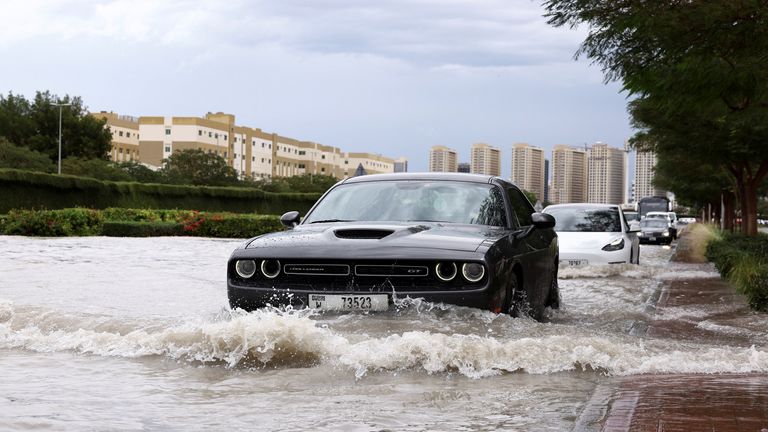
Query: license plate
x,y
576,263
376,302
651,238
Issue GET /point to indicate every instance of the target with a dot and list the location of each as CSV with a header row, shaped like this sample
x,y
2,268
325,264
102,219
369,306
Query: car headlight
x,y
270,268
245,268
615,245
665,234
473,272
446,271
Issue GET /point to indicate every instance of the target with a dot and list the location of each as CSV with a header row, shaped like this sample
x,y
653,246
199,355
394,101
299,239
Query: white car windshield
x,y
411,201
585,219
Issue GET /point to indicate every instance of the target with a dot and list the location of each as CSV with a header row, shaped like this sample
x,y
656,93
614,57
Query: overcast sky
x,y
393,77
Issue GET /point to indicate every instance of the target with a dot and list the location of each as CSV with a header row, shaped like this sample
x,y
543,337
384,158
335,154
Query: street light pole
x,y
60,105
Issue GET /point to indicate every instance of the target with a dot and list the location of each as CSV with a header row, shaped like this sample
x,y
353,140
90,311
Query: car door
x,y
536,259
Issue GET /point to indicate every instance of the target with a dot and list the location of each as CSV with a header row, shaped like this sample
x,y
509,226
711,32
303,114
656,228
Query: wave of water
x,y
295,338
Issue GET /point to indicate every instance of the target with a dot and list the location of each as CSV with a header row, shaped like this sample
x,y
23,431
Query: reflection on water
x,y
147,319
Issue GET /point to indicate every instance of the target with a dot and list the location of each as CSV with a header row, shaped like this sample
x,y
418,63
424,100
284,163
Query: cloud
x,y
477,33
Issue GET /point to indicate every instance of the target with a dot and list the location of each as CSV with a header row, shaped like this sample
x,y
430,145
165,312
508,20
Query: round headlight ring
x,y
270,268
470,275
245,268
443,266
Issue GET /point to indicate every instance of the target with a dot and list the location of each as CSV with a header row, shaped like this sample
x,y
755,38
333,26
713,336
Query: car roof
x,y
445,176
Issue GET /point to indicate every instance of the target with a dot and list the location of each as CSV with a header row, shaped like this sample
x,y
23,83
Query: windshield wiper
x,y
331,220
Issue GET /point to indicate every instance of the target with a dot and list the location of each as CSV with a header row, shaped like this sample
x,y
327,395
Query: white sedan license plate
x,y
351,302
576,263
651,238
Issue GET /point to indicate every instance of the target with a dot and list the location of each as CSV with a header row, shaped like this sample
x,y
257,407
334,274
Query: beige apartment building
x,y
125,136
250,151
528,169
485,159
569,175
606,174
645,164
442,159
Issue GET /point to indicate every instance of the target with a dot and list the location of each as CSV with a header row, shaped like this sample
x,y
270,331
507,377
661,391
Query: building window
x,y
210,134
167,131
216,136
322,157
225,136
167,149
346,163
301,166
262,145
302,153
121,133
199,132
322,169
225,154
270,146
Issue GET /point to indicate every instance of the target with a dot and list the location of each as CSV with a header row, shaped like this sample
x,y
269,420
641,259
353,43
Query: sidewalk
x,y
686,402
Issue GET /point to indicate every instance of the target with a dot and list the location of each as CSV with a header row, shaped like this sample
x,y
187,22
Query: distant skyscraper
x,y
645,164
569,175
464,167
485,159
528,169
607,174
401,165
442,159
546,181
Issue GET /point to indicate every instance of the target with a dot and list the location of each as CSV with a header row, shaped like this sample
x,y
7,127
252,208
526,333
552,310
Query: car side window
x,y
520,205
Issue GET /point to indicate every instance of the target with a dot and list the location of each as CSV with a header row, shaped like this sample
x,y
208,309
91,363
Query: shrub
x,y
141,229
53,223
743,260
229,225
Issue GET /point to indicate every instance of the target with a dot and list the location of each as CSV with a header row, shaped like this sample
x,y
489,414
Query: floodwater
x,y
135,334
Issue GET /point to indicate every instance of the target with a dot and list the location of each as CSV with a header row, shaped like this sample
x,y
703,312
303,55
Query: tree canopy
x,y
198,167
698,75
35,125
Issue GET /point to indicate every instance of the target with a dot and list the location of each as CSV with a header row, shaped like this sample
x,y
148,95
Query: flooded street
x,y
136,334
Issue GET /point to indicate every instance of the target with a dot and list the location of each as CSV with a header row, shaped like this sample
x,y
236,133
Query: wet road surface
x,y
136,334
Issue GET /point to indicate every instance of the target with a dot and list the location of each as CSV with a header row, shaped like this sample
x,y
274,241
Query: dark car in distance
x,y
461,239
654,231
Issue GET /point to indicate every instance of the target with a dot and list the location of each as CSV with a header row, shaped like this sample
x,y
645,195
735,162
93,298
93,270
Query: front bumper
x,y
593,257
250,298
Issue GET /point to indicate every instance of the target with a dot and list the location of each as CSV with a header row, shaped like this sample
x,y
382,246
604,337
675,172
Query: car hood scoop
x,y
358,233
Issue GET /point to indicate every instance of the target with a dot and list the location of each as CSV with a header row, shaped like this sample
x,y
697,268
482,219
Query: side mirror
x,y
290,219
633,227
543,220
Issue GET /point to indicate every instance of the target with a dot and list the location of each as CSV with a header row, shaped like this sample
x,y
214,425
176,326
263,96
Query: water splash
x,y
288,338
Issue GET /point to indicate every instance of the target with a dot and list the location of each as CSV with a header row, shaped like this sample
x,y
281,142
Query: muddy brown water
x,y
135,334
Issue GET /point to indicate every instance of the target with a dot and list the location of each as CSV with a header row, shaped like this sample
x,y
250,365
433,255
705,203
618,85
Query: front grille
x,y
317,269
359,276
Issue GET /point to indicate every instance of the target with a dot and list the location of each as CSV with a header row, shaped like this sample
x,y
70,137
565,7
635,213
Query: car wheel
x,y
553,298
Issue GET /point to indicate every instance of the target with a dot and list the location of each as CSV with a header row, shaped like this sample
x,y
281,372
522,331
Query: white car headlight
x,y
665,234
615,245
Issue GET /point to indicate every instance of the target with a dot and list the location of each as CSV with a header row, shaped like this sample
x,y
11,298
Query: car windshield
x,y
585,219
657,216
411,201
653,223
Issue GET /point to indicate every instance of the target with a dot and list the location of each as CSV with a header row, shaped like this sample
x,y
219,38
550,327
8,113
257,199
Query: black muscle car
x,y
463,239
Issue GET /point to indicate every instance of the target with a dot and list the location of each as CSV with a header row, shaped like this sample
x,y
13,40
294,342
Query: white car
x,y
594,234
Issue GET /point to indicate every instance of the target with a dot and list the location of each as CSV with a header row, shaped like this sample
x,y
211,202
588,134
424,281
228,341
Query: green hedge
x,y
743,260
35,190
141,229
136,223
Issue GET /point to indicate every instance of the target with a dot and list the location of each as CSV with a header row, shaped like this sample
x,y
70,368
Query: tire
x,y
553,297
